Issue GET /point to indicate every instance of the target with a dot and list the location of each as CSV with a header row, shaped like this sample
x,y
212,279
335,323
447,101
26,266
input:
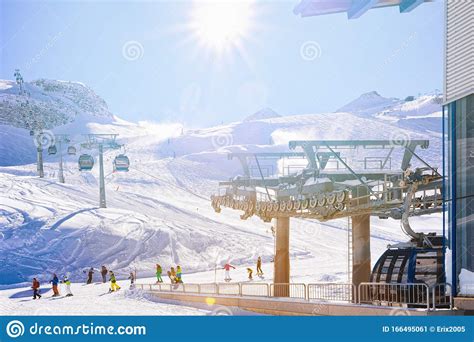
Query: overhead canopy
x,y
354,8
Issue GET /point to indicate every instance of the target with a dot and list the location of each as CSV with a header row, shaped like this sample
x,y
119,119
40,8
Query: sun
x,y
221,25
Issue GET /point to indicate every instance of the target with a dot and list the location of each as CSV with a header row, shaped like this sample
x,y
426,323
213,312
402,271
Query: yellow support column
x,y
281,273
361,245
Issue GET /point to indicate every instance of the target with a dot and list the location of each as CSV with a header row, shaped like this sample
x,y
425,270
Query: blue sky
x,y
177,78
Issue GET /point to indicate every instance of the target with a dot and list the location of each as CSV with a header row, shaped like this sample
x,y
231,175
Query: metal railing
x,y
335,292
415,295
256,289
441,295
290,290
208,288
230,289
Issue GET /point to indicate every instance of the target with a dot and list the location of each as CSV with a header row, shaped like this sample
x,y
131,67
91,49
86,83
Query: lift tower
x,y
353,178
101,142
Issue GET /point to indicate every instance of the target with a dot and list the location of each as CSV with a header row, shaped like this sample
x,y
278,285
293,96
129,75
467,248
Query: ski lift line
x,y
350,170
263,178
420,159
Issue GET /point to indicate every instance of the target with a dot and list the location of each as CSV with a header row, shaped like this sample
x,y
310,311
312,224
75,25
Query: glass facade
x,y
459,185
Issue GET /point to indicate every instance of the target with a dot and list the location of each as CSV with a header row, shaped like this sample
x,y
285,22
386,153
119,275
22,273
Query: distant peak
x,y
265,113
371,94
367,101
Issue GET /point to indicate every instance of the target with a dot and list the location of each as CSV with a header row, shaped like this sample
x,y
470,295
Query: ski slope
x,y
159,212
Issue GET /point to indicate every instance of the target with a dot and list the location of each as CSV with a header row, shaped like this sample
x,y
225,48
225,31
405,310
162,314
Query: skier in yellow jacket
x,y
113,282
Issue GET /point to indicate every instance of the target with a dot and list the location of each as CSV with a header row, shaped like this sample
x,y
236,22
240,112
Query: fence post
x,y
427,297
217,288
240,289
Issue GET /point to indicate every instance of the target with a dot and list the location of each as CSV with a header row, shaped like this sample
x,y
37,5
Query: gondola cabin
x,y
71,150
52,150
409,266
121,163
86,162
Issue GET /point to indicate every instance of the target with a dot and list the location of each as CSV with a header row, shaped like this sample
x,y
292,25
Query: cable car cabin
x,y
409,265
71,150
52,150
86,162
121,163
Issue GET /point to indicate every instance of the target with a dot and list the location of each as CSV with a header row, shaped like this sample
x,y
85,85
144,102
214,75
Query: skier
x,y
113,282
67,282
89,275
259,267
159,270
250,271
172,275
35,286
55,282
227,268
179,278
132,280
103,272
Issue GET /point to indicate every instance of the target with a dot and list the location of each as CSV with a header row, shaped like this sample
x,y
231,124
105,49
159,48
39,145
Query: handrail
x,y
395,293
418,294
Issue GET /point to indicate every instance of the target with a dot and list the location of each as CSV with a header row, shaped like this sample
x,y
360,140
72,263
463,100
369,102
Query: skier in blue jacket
x,y
55,282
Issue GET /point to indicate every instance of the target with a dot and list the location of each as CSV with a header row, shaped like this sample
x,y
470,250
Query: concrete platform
x,y
465,303
295,307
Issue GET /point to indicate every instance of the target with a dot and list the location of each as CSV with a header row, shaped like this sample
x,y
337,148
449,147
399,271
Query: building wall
x,y
459,46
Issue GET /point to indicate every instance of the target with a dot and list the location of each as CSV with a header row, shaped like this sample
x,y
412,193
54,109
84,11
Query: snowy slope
x,y
160,210
421,114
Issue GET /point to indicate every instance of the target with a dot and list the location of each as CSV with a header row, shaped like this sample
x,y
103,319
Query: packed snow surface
x,y
159,211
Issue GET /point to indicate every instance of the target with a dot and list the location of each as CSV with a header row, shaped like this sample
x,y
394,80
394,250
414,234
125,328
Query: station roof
x,y
353,8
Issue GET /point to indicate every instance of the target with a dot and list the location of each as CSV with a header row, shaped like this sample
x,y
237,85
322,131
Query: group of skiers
x,y
67,282
54,282
228,266
176,276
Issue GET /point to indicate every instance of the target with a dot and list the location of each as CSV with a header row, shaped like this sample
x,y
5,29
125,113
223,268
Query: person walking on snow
x,y
179,273
89,275
67,283
172,275
132,280
259,267
159,271
103,272
113,282
250,271
35,286
55,282
227,268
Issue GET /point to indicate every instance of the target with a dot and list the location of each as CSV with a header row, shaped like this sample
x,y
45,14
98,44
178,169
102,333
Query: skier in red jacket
x,y
227,268
35,286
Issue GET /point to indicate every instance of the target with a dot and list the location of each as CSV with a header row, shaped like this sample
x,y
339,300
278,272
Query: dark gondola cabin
x,y
86,162
52,150
121,163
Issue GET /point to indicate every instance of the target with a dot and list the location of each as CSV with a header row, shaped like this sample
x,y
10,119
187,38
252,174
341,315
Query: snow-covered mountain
x,y
262,114
422,114
47,103
159,211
